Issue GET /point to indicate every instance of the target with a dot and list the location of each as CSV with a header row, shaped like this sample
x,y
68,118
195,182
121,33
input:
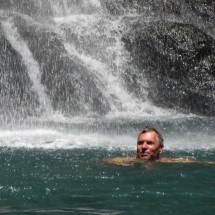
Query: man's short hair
x,y
160,137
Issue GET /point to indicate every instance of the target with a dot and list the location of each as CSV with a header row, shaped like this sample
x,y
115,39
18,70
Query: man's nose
x,y
144,145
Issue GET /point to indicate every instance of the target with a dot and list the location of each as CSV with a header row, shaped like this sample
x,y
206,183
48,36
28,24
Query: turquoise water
x,y
57,168
78,182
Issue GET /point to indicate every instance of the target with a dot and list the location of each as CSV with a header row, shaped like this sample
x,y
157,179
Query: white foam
x,y
51,139
190,142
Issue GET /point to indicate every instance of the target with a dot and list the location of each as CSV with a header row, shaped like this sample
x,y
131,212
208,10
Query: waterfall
x,y
92,57
108,80
32,66
95,39
63,8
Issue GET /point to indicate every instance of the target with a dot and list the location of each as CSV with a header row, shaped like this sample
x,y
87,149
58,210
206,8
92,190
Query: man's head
x,y
150,144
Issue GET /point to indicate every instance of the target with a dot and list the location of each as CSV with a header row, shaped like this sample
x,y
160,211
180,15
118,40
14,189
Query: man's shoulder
x,y
184,160
129,161
176,160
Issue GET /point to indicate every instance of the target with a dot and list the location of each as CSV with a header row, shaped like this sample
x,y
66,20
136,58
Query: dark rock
x,y
178,60
203,8
124,7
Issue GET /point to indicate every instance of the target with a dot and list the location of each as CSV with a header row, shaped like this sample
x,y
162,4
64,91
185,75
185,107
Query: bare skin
x,y
130,161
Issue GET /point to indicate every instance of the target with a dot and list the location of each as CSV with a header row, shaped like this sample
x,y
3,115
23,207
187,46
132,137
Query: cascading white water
x,y
98,45
32,66
63,8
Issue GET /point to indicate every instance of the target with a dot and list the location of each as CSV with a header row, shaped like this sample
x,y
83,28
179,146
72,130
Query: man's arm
x,y
184,160
129,161
121,161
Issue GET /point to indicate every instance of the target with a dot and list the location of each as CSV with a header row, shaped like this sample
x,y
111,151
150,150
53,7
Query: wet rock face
x,y
203,8
178,60
16,92
174,51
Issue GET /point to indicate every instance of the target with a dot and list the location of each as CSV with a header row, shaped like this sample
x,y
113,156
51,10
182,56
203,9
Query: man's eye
x,y
147,142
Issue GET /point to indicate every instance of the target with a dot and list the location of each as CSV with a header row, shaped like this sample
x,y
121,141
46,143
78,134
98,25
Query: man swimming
x,y
150,145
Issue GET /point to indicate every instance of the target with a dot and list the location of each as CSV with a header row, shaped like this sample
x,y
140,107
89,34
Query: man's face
x,y
148,147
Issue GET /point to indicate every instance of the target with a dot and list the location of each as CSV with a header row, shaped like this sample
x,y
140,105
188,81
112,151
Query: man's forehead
x,y
148,133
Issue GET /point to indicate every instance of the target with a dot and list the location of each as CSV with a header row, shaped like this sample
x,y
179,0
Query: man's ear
x,y
161,150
